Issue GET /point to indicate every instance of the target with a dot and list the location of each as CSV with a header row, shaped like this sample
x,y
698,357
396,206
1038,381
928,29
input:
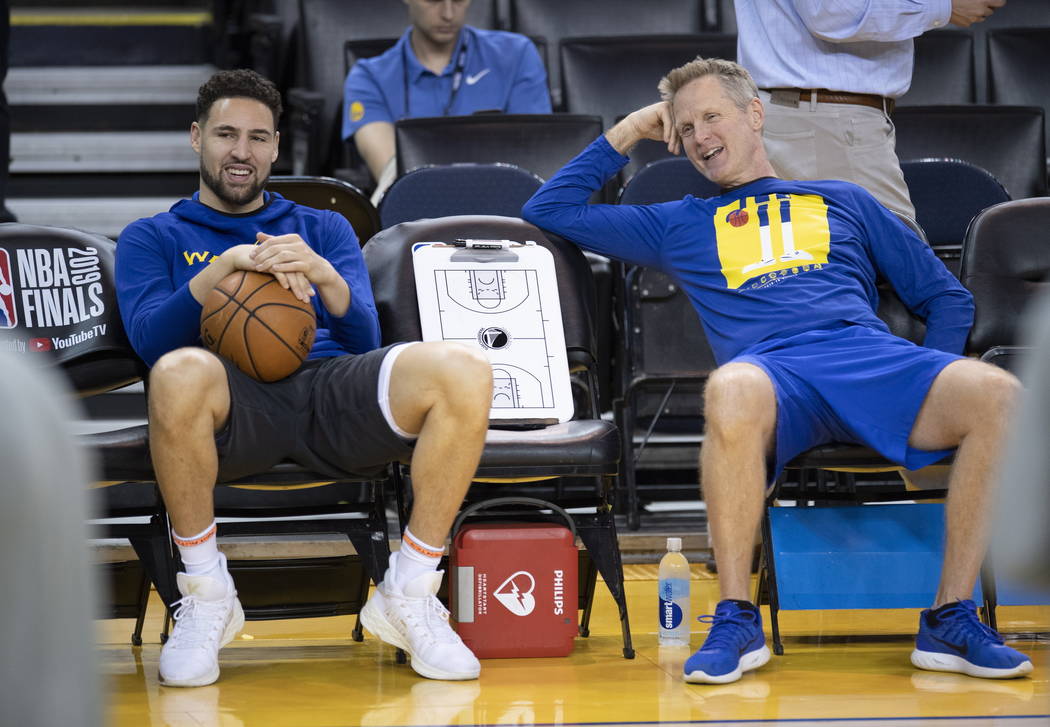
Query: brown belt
x,y
794,96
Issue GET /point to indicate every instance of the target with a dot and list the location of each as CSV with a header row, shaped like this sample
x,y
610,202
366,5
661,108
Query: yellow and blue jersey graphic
x,y
766,238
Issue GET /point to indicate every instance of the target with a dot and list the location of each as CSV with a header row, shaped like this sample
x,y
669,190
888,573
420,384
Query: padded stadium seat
x,y
947,194
1006,265
539,143
554,20
1017,63
1008,141
327,193
458,189
943,71
595,80
666,180
1014,14
586,447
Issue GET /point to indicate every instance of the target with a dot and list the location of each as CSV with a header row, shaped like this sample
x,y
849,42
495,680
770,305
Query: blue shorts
x,y
851,385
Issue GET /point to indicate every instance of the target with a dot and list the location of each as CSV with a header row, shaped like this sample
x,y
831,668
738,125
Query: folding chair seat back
x,y
539,143
458,189
327,193
944,70
1008,141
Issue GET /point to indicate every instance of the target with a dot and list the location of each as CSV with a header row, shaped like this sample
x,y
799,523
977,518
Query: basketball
x,y
262,328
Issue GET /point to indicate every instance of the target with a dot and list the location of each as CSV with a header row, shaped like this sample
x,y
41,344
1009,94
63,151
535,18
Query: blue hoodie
x,y
158,256
765,260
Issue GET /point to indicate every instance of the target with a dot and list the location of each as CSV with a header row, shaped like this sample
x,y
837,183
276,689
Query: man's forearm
x,y
623,136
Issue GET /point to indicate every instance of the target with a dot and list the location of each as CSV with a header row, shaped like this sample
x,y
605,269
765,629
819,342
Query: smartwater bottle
x,y
674,596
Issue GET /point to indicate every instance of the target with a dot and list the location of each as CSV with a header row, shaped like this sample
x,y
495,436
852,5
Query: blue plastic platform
x,y
858,556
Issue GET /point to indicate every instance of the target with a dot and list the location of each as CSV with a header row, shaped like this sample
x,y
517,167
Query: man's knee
x,y
449,373
998,391
739,397
186,377
464,375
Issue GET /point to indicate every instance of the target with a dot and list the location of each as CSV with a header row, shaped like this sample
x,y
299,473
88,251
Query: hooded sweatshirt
x,y
158,256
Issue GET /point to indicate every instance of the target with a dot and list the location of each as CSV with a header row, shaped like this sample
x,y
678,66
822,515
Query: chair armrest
x,y
1006,357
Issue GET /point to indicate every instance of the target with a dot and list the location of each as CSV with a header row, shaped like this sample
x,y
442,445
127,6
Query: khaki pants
x,y
837,141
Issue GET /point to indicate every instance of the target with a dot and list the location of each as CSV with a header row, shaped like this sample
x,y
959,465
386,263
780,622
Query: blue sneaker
x,y
951,638
734,644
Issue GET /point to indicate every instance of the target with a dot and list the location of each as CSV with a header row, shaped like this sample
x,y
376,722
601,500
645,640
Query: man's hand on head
x,y
650,122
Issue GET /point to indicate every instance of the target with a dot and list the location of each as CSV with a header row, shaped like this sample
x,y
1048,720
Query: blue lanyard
x,y
457,78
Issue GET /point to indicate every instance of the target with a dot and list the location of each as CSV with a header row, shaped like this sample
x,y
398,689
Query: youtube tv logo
x,y
40,344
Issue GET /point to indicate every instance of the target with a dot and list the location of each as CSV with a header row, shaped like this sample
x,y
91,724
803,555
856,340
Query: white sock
x,y
200,552
415,558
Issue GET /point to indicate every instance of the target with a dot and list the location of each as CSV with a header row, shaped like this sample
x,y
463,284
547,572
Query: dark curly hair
x,y
242,83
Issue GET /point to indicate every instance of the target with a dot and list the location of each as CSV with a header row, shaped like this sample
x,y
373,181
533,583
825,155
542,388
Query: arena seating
x,y
587,447
554,20
539,143
595,80
316,107
1008,141
945,217
458,189
1014,54
944,70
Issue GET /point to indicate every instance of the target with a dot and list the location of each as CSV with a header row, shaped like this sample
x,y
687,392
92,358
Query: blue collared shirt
x,y
501,71
857,46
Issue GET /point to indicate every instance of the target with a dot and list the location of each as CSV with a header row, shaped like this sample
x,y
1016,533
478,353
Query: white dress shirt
x,y
856,46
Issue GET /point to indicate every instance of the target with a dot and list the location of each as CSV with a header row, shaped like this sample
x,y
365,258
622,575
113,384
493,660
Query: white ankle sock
x,y
200,552
415,558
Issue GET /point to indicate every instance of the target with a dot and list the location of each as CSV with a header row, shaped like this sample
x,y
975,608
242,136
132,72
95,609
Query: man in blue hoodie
x,y
782,274
352,408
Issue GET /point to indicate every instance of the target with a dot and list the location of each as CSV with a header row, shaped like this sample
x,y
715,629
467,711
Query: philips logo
x,y
559,592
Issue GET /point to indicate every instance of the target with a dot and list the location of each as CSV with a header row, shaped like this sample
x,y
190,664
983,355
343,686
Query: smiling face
x,y
237,144
438,21
723,141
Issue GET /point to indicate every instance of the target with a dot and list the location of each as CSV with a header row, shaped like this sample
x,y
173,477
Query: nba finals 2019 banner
x,y
55,301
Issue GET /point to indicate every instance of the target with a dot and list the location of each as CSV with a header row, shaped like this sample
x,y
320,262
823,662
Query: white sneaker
x,y
415,620
208,617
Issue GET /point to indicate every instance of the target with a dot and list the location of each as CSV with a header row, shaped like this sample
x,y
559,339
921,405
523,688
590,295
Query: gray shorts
x,y
325,417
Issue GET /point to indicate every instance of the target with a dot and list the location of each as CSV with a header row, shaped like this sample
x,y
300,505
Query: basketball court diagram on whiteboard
x,y
502,298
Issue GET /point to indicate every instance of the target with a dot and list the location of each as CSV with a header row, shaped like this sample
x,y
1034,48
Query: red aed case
x,y
513,589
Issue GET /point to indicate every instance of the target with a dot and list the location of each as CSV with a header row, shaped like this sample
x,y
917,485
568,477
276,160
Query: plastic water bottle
x,y
674,596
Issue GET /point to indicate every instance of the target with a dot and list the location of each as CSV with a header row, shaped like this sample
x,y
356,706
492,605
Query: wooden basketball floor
x,y
839,668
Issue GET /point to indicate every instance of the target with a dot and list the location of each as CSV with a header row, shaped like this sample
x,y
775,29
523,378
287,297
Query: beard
x,y
230,195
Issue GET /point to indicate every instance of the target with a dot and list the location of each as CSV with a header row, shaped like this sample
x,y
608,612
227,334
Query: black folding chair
x,y
947,194
572,464
327,193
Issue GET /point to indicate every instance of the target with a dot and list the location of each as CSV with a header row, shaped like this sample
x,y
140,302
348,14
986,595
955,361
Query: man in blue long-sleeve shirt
x,y
350,410
782,274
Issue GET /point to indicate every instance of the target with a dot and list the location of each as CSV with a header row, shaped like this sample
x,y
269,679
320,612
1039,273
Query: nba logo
x,y
8,314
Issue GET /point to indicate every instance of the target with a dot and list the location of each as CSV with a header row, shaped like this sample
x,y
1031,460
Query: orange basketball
x,y
262,328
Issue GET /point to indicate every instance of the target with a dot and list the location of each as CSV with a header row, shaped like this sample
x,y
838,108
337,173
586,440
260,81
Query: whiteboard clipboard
x,y
500,297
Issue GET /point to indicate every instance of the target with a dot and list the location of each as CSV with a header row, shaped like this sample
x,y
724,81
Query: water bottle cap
x,y
674,544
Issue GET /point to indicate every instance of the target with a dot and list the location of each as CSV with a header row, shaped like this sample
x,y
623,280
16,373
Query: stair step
x,y
103,37
104,215
106,85
143,151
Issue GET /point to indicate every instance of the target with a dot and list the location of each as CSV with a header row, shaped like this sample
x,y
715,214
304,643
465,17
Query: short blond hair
x,y
735,79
